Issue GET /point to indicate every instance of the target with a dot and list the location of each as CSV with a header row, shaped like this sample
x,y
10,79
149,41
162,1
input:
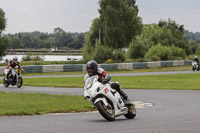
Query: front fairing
x,y
92,86
194,63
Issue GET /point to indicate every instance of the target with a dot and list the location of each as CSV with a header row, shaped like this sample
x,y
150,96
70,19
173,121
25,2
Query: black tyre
x,y
107,112
20,82
131,112
5,83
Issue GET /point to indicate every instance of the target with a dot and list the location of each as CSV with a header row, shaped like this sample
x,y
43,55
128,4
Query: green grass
x,y
176,82
173,81
55,82
35,104
54,73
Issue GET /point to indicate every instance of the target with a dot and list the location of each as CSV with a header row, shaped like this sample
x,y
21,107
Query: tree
x,y
15,43
119,22
171,24
116,27
173,34
77,43
49,43
3,39
58,30
90,40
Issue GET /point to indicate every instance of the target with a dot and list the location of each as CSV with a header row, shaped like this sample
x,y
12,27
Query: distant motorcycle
x,y
195,66
108,101
14,78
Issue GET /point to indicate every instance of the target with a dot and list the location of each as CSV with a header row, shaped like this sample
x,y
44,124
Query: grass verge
x,y
12,104
174,81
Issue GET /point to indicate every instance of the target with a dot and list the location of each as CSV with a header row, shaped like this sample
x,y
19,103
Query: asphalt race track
x,y
173,111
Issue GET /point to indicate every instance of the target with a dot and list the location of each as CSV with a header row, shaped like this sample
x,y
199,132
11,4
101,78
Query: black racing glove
x,y
104,81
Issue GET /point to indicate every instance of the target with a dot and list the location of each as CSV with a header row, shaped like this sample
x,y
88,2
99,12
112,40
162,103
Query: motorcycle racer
x,y
12,64
104,77
196,59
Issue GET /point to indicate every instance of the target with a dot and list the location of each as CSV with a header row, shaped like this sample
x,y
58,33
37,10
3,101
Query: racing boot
x,y
127,102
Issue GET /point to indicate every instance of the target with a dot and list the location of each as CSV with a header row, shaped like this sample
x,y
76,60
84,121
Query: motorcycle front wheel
x,y
20,82
107,112
131,112
5,83
193,68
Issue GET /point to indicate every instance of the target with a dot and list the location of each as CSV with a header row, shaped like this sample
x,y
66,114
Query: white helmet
x,y
15,58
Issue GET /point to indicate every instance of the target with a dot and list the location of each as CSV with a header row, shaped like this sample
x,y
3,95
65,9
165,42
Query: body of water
x,y
47,57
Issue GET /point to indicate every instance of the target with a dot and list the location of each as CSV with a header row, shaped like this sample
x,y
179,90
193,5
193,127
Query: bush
x,y
118,56
138,48
102,53
160,52
178,53
30,57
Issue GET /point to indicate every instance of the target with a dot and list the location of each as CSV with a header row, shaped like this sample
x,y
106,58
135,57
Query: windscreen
x,y
89,82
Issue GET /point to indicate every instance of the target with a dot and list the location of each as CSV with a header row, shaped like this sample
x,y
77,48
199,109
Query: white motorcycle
x,y
195,66
14,78
107,100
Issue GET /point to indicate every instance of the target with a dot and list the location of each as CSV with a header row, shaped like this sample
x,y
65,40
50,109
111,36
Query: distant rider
x,y
104,77
11,65
196,59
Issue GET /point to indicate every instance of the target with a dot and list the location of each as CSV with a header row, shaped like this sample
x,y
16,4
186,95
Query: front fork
x,y
16,78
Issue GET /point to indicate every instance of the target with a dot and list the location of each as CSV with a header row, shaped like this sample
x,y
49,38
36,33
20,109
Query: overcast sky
x,y
77,15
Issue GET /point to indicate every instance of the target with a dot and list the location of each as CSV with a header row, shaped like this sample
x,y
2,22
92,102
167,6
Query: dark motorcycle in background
x,y
195,66
14,78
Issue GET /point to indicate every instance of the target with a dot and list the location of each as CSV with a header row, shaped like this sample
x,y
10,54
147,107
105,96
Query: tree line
x,y
37,40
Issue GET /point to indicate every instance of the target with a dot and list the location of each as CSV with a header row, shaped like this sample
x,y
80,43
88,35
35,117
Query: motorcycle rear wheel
x,y
5,83
20,82
107,112
131,112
